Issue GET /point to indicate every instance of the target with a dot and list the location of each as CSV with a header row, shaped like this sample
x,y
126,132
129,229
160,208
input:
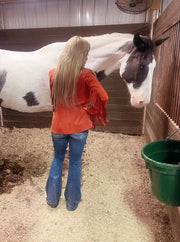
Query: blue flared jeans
x,y
72,192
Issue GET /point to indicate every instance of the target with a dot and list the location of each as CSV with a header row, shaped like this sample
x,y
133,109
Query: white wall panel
x,y
164,4
29,14
114,15
52,14
88,12
100,12
8,18
75,12
62,13
41,13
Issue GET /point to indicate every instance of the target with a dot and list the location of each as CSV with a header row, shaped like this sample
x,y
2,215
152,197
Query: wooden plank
x,y
155,6
150,135
126,127
174,215
175,103
116,93
122,108
2,1
12,118
119,100
166,76
154,124
116,85
31,39
158,125
123,122
124,116
157,117
169,18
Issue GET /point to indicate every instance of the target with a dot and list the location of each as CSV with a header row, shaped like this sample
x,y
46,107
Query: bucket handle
x,y
168,137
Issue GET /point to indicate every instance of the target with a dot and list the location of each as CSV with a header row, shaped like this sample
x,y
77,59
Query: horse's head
x,y
137,69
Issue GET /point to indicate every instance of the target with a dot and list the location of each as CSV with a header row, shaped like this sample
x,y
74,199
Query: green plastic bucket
x,y
162,159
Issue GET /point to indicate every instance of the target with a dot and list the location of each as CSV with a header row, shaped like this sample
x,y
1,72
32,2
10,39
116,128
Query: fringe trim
x,y
97,111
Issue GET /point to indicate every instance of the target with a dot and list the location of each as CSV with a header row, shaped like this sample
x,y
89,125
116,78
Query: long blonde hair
x,y
70,64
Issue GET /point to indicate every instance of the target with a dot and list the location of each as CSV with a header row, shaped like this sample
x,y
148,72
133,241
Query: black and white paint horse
x,y
24,76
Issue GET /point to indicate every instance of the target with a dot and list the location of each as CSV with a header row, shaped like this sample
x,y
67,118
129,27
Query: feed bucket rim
x,y
157,163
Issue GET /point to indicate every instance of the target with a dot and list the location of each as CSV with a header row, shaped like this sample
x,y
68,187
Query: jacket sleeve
x,y
51,75
97,98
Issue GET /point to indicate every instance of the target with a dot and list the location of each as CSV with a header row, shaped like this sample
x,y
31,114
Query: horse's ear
x,y
139,43
160,41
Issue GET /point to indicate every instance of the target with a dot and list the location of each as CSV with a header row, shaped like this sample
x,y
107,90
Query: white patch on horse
x,y
3,75
142,96
29,71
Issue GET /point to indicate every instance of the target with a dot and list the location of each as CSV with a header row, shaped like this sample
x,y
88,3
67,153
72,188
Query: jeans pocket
x,y
58,136
80,136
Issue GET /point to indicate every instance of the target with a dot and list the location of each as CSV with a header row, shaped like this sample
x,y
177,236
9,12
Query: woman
x,y
78,100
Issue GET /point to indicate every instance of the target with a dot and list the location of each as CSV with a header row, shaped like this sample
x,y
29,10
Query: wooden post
x,y
155,8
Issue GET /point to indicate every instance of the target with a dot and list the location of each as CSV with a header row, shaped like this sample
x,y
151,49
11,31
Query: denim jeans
x,y
72,192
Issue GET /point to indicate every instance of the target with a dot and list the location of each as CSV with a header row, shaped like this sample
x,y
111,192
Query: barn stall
x,y
163,113
28,25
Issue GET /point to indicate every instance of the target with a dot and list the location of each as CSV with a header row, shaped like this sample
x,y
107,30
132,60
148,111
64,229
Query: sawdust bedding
x,y
117,204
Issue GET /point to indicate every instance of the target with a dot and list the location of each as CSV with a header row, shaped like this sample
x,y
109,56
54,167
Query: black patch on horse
x,y
1,100
137,67
3,75
100,75
127,47
142,43
31,99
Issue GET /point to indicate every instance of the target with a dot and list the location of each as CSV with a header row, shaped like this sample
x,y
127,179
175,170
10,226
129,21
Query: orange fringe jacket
x,y
91,99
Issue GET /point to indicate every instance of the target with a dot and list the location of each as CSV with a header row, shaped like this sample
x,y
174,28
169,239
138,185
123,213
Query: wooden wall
x,y
122,117
31,39
163,114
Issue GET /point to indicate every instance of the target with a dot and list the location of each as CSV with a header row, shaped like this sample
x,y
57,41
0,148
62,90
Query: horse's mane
x,y
100,40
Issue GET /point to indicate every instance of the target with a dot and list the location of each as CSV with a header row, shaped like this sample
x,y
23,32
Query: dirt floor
x,y
117,204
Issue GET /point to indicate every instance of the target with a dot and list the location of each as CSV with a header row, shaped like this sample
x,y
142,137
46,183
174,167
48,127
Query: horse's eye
x,y
141,67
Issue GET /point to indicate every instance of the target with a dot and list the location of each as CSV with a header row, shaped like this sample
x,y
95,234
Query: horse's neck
x,y
108,52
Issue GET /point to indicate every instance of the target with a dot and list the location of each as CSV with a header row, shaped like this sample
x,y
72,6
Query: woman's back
x,y
75,118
